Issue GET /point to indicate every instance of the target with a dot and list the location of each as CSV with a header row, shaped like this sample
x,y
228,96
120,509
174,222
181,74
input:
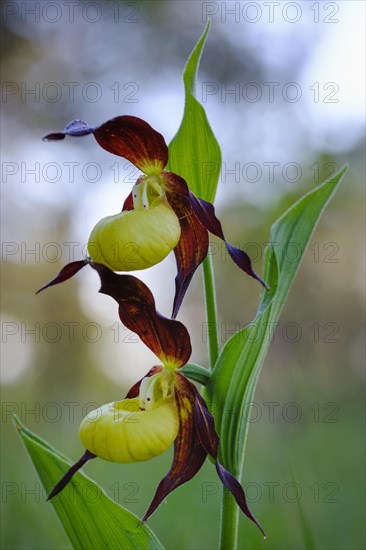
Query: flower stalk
x,y
211,310
229,521
229,512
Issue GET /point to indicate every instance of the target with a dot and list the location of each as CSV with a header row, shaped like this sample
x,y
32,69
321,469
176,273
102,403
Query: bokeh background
x,y
283,86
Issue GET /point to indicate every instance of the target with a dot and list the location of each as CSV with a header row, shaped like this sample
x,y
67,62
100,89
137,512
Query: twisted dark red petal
x,y
192,247
210,441
126,136
70,474
205,212
66,273
167,338
189,454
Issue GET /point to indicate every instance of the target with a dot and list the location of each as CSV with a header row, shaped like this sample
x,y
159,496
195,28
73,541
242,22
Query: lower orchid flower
x,y
161,214
161,409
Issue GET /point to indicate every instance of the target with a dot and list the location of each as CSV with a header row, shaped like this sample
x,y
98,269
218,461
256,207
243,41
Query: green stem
x,y
229,509
229,521
211,315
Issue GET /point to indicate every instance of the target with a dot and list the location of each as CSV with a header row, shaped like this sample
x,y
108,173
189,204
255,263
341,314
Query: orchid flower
x,y
160,214
161,409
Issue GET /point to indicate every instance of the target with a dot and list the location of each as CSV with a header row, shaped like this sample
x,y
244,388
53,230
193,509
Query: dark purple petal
x,y
205,212
237,491
189,455
70,473
210,440
66,273
191,249
167,338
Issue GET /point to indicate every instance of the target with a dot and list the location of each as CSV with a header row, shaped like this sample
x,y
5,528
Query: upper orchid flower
x,y
162,408
159,215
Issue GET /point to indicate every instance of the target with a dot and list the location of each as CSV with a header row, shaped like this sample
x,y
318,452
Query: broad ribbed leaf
x,y
230,389
194,152
90,523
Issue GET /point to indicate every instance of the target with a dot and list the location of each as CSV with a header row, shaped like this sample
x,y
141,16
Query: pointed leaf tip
x,y
192,65
236,372
194,152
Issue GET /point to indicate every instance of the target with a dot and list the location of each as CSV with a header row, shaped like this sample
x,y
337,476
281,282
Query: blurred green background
x,y
64,352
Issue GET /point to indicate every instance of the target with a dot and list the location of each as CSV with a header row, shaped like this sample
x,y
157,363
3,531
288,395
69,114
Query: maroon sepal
x,y
205,212
135,390
126,136
210,440
134,139
66,273
167,338
70,473
189,455
191,249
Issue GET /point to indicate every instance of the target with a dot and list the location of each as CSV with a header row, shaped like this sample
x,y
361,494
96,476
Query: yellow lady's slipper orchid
x,y
152,231
162,408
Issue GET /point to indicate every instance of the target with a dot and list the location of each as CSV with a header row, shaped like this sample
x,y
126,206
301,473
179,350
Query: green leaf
x,y
231,387
194,152
94,522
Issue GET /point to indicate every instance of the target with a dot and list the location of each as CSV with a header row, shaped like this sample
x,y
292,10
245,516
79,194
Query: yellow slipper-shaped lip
x,y
123,432
135,239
